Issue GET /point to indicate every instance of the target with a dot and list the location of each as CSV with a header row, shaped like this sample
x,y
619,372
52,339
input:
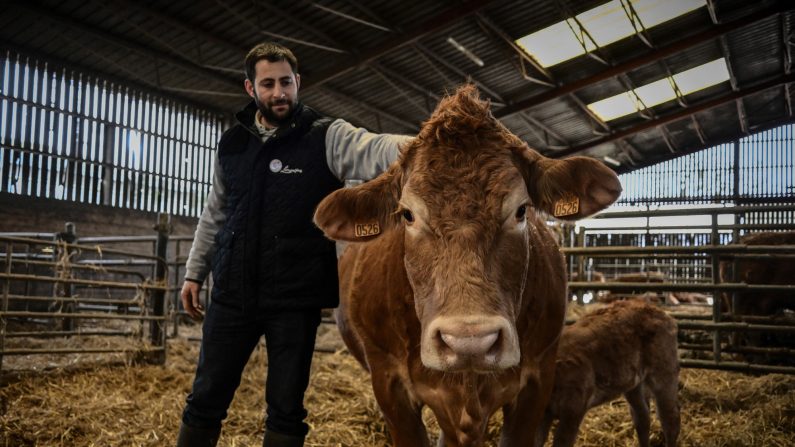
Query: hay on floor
x,y
140,405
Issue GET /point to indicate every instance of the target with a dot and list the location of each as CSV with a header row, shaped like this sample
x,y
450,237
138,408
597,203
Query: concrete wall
x,y
30,214
36,215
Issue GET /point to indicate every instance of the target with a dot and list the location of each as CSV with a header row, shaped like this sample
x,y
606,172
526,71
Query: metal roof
x,y
384,64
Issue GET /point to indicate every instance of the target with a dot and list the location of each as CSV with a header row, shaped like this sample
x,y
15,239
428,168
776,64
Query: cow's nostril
x,y
471,344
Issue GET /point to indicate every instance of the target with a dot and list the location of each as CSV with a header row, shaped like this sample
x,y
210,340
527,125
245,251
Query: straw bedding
x,y
104,400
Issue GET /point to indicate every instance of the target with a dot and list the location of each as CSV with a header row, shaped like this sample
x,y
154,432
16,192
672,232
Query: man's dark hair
x,y
271,52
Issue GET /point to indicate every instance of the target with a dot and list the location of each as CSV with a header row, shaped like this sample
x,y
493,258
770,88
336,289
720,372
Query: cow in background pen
x,y
778,305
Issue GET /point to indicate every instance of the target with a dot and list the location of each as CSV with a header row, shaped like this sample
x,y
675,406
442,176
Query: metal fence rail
x,y
690,262
56,296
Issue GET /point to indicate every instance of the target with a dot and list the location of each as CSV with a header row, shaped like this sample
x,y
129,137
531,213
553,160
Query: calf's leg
x,y
568,427
668,411
639,409
543,429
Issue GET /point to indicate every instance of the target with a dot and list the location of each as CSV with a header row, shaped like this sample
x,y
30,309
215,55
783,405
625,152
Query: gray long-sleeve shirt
x,y
352,153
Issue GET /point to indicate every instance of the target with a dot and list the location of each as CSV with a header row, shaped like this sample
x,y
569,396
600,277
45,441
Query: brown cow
x,y
626,348
456,300
756,303
762,271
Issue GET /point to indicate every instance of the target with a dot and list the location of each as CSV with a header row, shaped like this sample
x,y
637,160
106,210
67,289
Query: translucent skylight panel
x,y
703,76
552,45
655,93
615,106
655,12
606,24
661,91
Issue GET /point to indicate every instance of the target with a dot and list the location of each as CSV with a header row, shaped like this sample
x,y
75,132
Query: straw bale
x,y
128,404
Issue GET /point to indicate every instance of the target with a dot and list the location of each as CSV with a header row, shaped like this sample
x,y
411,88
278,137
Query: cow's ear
x,y
360,213
571,188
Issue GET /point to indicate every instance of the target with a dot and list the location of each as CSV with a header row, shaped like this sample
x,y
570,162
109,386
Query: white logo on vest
x,y
277,168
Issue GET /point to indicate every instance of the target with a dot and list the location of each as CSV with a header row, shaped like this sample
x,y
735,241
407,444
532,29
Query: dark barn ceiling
x,y
384,64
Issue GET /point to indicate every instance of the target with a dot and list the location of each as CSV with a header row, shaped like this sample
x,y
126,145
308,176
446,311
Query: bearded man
x,y
273,270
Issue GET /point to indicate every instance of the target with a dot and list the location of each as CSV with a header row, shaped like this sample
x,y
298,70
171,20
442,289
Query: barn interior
x,y
111,111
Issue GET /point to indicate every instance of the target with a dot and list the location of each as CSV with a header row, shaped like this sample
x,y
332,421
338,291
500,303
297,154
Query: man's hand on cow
x,y
191,301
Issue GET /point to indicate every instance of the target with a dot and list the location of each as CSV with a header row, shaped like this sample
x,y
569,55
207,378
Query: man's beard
x,y
269,115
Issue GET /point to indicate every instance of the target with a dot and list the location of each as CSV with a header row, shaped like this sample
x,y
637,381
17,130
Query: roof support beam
x,y
788,44
682,114
668,138
160,56
430,26
724,48
397,89
185,27
547,132
494,95
493,29
490,27
648,58
350,17
343,98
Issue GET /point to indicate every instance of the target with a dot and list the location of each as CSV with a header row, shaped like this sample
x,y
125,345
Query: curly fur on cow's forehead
x,y
463,122
462,147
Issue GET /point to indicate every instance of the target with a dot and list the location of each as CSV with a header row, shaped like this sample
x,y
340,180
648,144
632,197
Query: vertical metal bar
x,y
4,75
13,128
716,311
580,262
36,132
61,137
157,327
6,291
78,164
193,178
175,299
151,154
27,130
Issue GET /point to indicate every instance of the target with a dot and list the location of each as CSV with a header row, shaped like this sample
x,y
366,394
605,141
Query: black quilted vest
x,y
269,254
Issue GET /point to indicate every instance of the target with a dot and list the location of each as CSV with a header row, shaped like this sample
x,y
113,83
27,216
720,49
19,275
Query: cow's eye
x,y
407,216
521,212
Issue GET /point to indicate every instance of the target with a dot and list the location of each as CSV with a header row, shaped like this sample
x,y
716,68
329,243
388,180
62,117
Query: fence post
x,y
62,258
580,264
158,332
716,294
175,298
6,290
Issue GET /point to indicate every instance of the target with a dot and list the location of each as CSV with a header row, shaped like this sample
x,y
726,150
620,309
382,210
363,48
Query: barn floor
x,y
91,403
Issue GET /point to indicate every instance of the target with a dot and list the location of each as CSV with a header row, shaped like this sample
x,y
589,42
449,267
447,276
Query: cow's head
x,y
460,195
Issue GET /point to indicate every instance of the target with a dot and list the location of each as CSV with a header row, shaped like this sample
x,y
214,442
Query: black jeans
x,y
229,336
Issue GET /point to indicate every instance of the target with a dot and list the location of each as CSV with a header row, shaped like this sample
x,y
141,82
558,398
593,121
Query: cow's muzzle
x,y
470,343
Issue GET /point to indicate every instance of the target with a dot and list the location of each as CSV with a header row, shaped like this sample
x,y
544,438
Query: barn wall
x,y
30,214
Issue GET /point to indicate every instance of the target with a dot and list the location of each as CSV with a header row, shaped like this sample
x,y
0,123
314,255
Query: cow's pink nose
x,y
470,344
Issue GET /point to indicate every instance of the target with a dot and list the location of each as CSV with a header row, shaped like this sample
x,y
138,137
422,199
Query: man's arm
x,y
354,153
201,252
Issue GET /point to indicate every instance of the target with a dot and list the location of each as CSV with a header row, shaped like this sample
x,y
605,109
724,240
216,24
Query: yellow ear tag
x,y
368,229
568,205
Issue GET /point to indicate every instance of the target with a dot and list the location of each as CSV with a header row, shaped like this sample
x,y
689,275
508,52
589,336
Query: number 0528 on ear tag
x,y
568,205
367,229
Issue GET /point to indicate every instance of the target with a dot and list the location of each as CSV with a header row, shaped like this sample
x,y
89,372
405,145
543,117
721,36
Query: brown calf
x,y
454,296
626,348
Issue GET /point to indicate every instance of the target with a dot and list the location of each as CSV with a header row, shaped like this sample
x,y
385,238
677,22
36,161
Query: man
x,y
273,270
